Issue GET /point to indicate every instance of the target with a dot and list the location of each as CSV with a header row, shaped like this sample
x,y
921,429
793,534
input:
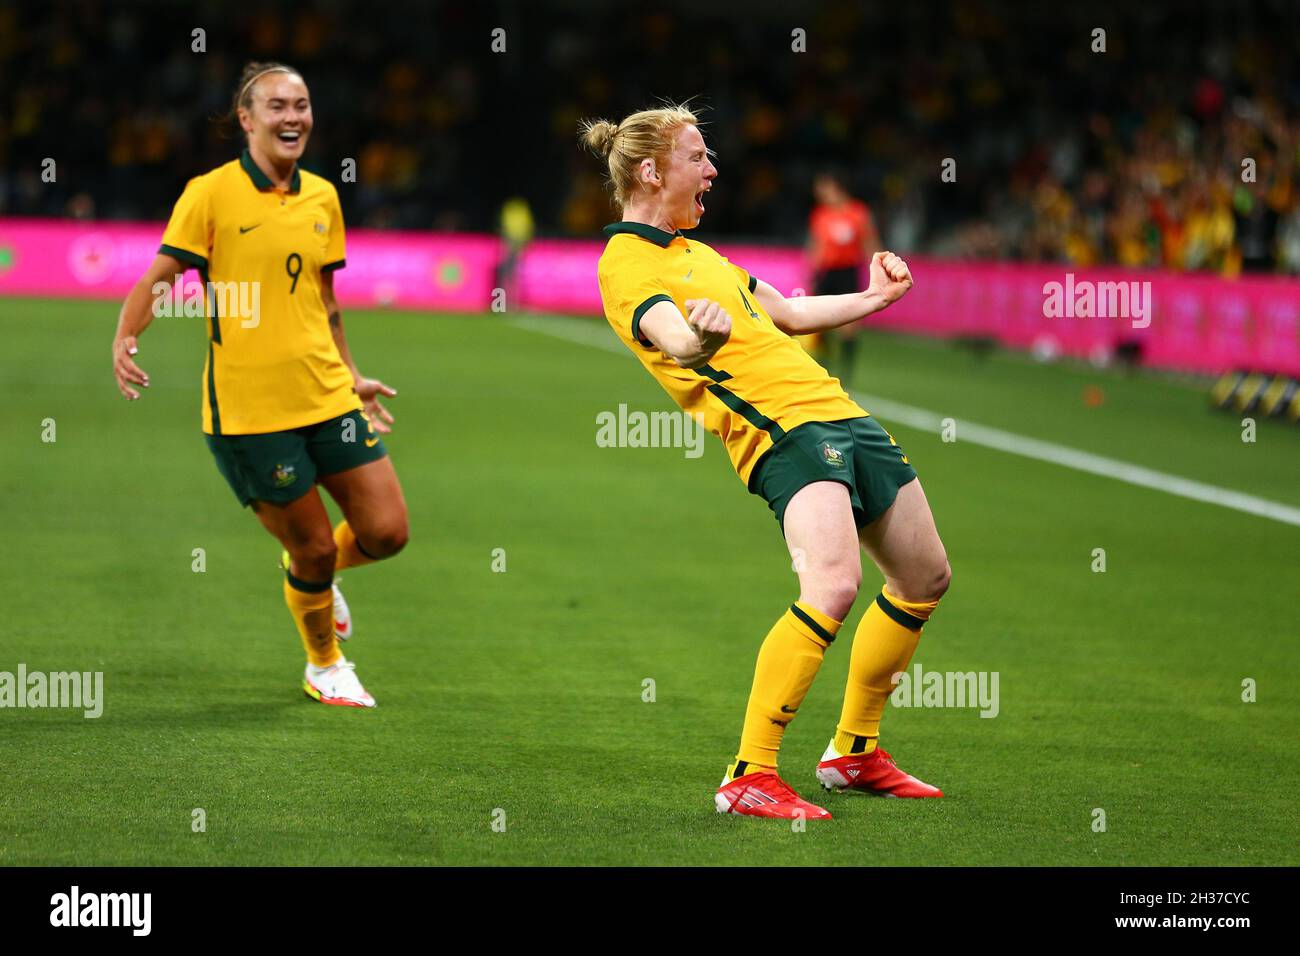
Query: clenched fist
x,y
710,322
890,277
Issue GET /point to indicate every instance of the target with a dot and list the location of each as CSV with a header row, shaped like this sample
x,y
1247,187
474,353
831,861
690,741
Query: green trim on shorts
x,y
856,452
281,467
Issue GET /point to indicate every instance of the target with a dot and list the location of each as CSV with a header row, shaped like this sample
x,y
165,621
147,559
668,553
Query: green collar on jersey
x,y
261,180
645,231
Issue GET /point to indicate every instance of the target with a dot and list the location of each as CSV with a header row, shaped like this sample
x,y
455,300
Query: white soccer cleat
x,y
342,616
336,684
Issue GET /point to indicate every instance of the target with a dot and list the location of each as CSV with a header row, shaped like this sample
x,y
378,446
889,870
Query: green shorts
x,y
856,452
281,467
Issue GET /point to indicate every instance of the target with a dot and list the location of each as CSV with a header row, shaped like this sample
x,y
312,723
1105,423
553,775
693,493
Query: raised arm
x,y
689,340
136,314
800,315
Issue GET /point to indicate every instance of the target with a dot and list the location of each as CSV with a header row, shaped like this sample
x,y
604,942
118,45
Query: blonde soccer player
x,y
284,406
719,341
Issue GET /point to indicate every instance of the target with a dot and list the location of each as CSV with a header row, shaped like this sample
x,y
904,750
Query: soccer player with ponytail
x,y
284,405
719,341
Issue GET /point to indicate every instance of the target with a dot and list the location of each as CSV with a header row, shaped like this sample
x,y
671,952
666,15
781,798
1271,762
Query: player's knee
x,y
927,584
837,590
389,539
846,589
942,579
319,554
396,539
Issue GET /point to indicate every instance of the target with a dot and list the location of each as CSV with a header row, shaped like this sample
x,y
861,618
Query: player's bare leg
x,y
372,502
374,513
374,526
303,528
823,545
342,616
905,545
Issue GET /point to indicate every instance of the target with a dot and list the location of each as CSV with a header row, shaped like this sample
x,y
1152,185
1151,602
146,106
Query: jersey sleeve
x,y
188,235
627,291
336,247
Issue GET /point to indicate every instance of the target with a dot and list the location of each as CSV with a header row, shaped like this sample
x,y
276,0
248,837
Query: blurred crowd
x,y
1177,146
1211,189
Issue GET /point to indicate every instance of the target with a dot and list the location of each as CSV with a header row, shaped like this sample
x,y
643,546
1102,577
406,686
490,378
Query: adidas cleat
x,y
765,795
874,773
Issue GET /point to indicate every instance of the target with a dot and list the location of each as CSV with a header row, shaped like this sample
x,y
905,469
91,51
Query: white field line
x,y
891,411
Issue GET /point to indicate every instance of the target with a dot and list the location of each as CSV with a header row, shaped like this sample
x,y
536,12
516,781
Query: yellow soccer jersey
x,y
272,363
759,385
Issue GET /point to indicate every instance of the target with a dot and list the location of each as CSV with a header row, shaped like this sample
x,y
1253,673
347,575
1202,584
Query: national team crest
x,y
284,476
834,457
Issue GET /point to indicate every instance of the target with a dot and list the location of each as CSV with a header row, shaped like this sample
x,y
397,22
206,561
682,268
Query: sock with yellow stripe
x,y
312,606
882,647
787,663
350,552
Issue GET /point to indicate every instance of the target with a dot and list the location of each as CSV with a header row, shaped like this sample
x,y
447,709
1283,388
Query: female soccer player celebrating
x,y
284,407
835,479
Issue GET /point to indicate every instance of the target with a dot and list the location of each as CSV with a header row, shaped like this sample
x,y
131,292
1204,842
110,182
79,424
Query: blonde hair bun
x,y
598,136
646,134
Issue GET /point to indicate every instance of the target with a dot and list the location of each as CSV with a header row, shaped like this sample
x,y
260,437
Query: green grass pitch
x,y
521,691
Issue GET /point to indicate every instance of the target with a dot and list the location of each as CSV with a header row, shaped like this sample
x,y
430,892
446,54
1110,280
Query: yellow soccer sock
x,y
312,607
350,552
787,663
882,647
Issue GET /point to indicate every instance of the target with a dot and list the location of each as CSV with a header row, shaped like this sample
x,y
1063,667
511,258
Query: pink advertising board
x,y
103,260
1197,323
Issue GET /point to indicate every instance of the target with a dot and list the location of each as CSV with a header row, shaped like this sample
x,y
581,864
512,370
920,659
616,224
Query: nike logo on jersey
x,y
372,442
244,229
788,710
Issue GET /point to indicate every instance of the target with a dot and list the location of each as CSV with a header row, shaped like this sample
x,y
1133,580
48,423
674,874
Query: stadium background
x,y
1065,155
523,690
